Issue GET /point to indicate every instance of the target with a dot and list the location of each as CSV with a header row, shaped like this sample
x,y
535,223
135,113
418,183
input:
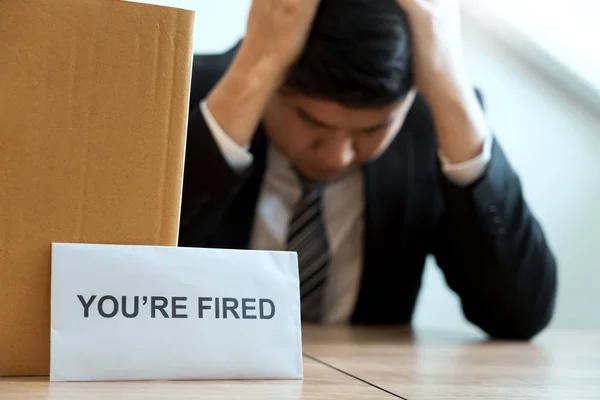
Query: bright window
x,y
565,32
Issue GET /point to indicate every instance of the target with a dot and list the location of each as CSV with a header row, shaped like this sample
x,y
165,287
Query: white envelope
x,y
201,314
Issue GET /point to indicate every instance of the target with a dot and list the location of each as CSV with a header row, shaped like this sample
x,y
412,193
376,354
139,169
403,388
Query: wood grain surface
x,y
382,363
320,383
437,365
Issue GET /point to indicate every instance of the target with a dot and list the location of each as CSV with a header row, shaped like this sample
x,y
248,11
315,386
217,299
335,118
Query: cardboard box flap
x,y
93,115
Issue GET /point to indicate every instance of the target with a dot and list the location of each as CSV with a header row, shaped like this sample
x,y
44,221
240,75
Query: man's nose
x,y
337,152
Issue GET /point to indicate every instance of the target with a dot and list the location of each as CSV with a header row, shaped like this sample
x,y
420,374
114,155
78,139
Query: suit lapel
x,y
387,184
236,229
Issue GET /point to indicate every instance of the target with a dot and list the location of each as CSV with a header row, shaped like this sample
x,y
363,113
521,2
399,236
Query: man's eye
x,y
373,130
314,123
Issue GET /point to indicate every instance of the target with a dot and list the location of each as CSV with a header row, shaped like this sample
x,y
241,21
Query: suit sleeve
x,y
465,173
209,184
237,157
494,254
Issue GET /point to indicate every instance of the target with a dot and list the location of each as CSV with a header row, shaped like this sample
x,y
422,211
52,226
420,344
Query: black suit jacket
x,y
485,239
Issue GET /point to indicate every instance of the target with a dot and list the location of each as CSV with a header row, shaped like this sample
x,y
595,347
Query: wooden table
x,y
436,366
377,363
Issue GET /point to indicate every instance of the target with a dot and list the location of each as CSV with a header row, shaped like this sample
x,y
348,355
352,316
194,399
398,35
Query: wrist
x,y
443,85
238,101
459,119
265,63
253,75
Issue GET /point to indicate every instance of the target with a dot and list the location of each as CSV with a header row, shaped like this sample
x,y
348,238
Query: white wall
x,y
219,23
553,143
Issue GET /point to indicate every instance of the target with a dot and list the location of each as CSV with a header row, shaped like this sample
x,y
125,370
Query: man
x,y
335,131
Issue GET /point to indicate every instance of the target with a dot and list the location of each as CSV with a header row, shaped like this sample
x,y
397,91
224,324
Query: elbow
x,y
525,327
530,313
527,319
537,310
514,327
521,318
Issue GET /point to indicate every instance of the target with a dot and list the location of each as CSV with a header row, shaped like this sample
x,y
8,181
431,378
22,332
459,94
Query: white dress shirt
x,y
343,212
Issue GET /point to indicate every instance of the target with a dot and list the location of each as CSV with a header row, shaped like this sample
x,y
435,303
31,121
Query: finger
x,y
412,5
407,4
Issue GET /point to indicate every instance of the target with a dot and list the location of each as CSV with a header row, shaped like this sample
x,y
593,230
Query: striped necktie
x,y
307,236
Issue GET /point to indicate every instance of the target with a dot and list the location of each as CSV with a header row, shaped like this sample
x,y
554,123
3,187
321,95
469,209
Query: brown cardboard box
x,y
93,113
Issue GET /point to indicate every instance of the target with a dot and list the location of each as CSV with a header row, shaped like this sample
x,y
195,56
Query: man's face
x,y
322,138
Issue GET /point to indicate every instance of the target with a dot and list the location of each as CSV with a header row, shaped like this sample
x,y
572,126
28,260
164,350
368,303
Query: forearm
x,y
495,255
458,117
220,131
208,184
238,101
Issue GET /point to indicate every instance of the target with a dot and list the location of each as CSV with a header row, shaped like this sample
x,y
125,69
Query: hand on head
x,y
438,53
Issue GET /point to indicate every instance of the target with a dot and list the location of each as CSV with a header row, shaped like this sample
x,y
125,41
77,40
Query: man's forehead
x,y
337,115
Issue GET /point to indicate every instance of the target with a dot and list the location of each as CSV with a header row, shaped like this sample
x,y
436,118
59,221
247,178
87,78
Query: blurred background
x,y
538,64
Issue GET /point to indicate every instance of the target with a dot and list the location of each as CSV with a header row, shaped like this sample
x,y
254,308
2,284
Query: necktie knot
x,y
310,186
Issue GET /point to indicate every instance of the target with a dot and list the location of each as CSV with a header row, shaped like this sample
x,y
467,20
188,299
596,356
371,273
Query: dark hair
x,y
359,54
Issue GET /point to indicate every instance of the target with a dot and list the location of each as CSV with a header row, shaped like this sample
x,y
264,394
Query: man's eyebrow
x,y
382,125
306,116
373,128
